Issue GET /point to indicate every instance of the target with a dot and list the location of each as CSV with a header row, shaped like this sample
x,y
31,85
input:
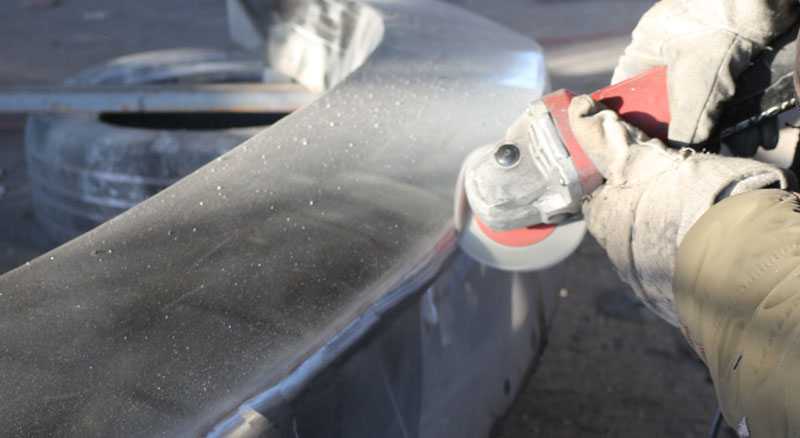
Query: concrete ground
x,y
610,370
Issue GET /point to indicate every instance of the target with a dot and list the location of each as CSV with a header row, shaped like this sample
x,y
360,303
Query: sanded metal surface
x,y
238,279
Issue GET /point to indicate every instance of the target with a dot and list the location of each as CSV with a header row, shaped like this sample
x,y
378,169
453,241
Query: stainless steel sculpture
x,y
306,284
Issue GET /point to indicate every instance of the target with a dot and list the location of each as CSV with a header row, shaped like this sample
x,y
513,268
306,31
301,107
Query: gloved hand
x,y
706,45
652,196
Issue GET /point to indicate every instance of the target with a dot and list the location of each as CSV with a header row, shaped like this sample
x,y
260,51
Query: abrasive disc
x,y
518,250
552,249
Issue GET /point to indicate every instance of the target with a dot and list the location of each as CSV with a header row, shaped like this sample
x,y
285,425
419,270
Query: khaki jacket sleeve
x,y
737,291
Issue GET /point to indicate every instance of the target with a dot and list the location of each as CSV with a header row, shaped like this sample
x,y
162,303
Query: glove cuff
x,y
641,215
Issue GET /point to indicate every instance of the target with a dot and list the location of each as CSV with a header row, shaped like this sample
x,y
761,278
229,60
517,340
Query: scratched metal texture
x,y
307,283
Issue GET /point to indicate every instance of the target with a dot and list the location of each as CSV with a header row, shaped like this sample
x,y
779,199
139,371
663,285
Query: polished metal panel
x,y
306,283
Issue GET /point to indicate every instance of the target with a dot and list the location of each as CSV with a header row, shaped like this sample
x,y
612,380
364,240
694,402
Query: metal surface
x,y
307,283
235,98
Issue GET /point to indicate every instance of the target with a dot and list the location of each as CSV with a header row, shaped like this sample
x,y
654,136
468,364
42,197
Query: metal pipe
x,y
233,98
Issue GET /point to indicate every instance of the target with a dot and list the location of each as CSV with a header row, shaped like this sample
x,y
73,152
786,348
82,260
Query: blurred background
x,y
610,370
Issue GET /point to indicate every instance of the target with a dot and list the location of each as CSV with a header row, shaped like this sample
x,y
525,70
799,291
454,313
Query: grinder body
x,y
519,201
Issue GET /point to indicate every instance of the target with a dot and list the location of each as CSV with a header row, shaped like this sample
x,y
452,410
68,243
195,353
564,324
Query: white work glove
x,y
652,196
706,45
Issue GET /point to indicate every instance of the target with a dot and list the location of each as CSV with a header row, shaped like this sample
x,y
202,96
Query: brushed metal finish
x,y
247,290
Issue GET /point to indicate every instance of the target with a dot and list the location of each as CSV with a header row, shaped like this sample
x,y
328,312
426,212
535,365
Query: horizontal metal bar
x,y
234,98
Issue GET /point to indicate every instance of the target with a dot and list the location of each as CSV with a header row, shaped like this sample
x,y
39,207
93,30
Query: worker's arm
x,y
737,289
695,235
707,247
706,44
652,196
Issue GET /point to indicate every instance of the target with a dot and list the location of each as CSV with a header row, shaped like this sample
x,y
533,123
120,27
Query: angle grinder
x,y
518,202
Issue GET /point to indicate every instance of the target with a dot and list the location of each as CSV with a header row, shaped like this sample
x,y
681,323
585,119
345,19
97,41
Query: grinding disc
x,y
518,250
562,241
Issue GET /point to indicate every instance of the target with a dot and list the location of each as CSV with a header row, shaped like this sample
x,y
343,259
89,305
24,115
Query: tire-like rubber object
x,y
85,171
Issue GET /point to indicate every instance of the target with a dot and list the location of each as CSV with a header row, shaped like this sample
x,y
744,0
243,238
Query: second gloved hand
x,y
706,44
652,196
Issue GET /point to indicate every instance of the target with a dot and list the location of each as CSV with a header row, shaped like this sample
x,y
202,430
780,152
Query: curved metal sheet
x,y
229,297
